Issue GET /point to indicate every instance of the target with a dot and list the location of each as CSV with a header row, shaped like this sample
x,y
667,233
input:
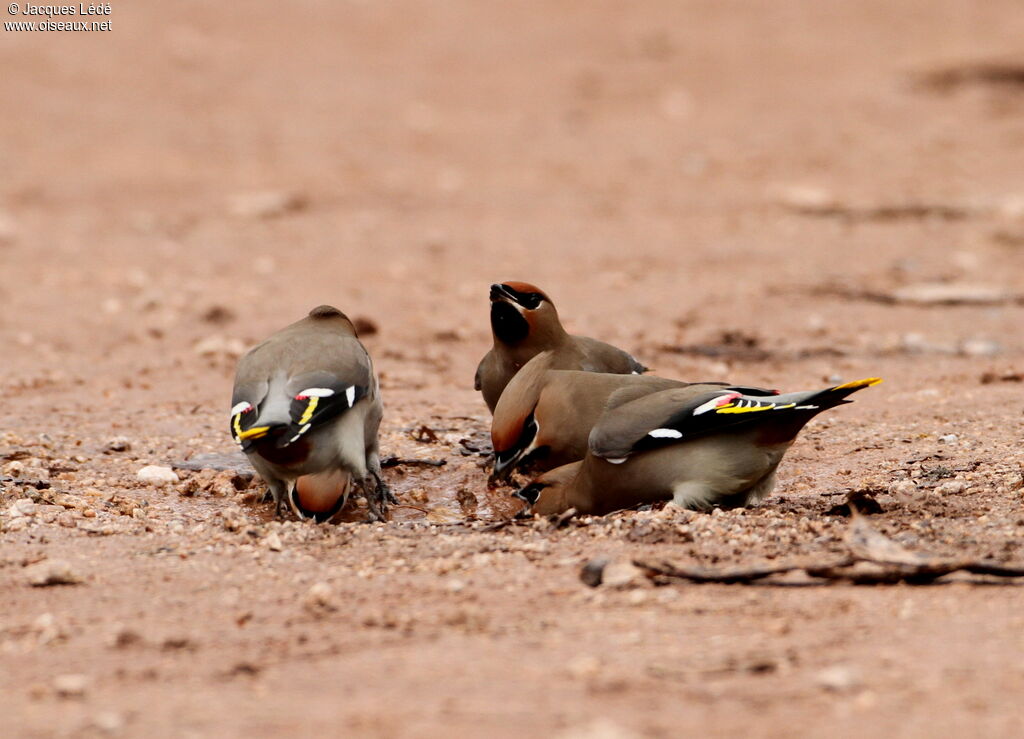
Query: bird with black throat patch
x,y
694,448
524,323
306,409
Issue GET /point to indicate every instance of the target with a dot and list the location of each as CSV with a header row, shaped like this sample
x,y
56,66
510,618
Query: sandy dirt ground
x,y
780,194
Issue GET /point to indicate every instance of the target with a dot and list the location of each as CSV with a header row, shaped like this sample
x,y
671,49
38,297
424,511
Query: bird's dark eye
x,y
530,301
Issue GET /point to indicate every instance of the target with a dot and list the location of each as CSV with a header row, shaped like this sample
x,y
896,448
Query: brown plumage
x,y
524,323
696,448
306,408
545,415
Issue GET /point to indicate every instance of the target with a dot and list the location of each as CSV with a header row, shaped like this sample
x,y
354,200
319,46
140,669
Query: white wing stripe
x,y
665,434
317,392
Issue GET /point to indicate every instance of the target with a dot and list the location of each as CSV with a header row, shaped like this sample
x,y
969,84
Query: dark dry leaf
x,y
424,435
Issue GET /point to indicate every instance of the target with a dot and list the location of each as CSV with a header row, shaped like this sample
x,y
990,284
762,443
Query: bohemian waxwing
x,y
524,322
695,448
306,408
544,417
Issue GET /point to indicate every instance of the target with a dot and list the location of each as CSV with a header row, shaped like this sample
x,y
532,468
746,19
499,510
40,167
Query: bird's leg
x,y
382,490
376,500
377,493
279,491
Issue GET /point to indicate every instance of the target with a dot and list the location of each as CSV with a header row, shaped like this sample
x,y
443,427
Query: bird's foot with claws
x,y
377,500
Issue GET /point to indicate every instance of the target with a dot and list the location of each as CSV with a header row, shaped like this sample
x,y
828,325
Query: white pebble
x,y
21,508
108,722
320,597
51,572
903,488
838,678
156,475
266,204
70,686
948,439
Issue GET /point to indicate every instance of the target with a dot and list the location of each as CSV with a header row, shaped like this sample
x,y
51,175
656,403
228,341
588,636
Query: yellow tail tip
x,y
856,384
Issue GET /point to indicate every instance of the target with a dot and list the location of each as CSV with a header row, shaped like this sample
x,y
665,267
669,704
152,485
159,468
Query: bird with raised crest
x,y
524,323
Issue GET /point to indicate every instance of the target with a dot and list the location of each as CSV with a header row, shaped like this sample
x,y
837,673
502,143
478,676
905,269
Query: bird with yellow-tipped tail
x,y
716,448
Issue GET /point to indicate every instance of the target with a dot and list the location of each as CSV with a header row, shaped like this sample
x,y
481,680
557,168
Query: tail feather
x,y
822,399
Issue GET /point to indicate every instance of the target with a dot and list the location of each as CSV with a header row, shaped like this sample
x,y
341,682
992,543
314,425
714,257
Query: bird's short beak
x,y
503,467
257,432
500,292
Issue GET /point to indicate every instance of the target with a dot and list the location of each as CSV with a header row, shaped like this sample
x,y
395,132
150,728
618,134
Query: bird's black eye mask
x,y
508,324
529,300
530,493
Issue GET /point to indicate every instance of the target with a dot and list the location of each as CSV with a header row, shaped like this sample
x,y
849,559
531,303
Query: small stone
x,y
266,203
218,314
108,722
21,508
364,326
903,488
46,629
638,597
122,637
622,573
14,468
946,293
273,542
51,572
584,666
454,585
838,679
804,198
948,439
217,345
117,444
953,487
177,642
319,598
16,524
593,571
70,686
156,475
980,348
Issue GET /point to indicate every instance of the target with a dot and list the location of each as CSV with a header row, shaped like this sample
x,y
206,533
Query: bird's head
x,y
549,494
521,311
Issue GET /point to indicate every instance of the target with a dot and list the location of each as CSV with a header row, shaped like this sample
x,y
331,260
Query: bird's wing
x,y
299,380
673,416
